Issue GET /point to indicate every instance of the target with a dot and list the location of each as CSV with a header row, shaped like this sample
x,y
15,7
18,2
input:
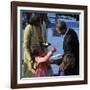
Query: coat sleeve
x,y
43,59
69,43
27,34
44,33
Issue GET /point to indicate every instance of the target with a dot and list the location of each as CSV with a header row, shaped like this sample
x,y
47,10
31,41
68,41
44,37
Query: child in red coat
x,y
42,61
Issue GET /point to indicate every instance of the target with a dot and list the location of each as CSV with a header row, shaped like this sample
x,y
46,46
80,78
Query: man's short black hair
x,y
62,25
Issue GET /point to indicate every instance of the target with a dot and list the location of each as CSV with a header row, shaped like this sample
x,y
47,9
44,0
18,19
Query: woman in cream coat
x,y
32,37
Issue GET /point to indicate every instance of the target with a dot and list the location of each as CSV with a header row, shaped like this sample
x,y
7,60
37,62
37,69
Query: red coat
x,y
43,66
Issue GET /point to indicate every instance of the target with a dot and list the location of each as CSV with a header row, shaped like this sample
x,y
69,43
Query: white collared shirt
x,y
66,32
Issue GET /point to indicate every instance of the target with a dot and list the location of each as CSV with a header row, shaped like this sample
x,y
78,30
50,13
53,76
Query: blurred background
x,y
51,18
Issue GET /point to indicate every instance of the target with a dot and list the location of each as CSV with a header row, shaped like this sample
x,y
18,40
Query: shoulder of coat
x,y
28,28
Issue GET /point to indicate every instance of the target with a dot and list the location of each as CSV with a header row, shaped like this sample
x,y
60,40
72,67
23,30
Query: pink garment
x,y
43,66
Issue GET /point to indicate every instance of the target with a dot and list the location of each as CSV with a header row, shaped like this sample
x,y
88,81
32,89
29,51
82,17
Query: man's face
x,y
61,28
58,30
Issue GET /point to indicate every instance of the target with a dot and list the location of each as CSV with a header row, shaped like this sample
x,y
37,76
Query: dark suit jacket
x,y
71,46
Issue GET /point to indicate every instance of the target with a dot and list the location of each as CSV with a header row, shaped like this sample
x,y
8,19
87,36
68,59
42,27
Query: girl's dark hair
x,y
35,51
62,25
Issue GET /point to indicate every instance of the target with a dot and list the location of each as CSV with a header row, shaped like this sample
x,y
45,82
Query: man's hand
x,y
52,62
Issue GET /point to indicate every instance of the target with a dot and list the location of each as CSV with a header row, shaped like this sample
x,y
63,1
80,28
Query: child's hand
x,y
62,66
53,50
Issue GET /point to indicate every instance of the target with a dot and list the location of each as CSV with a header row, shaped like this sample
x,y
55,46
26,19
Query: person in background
x,y
70,61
